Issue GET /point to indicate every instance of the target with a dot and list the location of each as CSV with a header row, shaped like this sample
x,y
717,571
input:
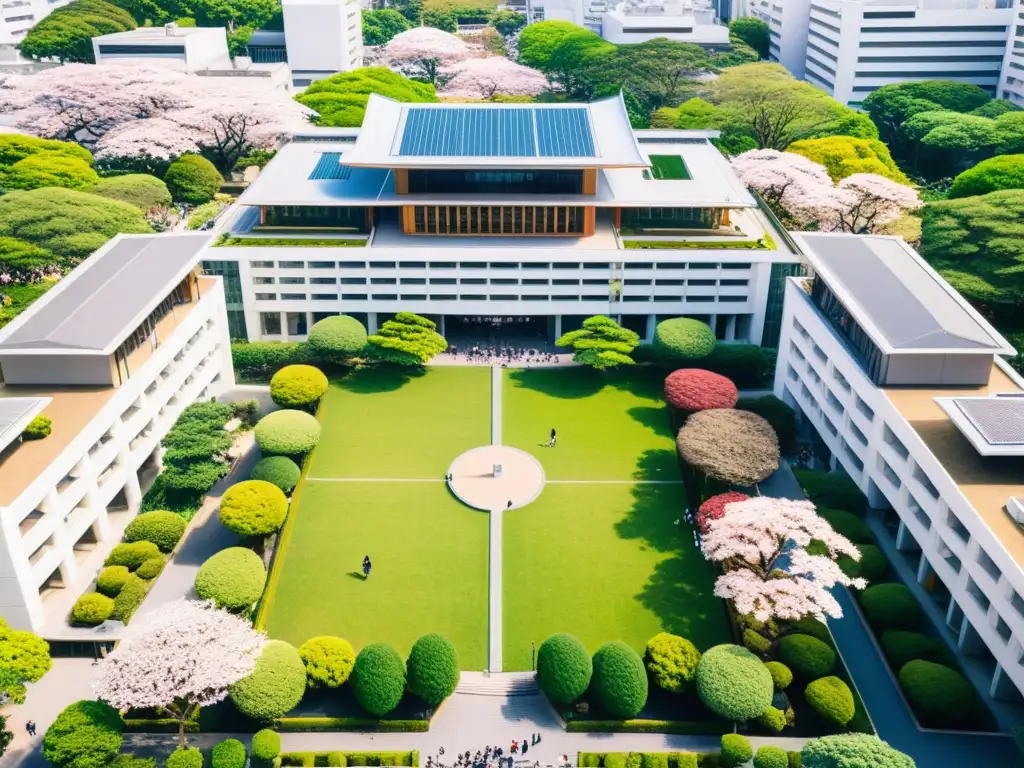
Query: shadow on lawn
x,y
381,378
655,418
576,383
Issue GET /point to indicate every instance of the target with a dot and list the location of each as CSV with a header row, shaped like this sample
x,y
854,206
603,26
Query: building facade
x,y
194,48
904,388
539,214
111,356
17,17
322,38
637,21
1011,83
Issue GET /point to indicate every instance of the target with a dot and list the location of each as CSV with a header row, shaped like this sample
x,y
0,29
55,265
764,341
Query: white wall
x,y
17,17
323,36
1012,78
204,47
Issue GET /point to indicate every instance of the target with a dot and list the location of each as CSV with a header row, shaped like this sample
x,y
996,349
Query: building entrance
x,y
500,332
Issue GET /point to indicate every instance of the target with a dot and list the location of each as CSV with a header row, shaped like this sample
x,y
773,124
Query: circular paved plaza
x,y
474,483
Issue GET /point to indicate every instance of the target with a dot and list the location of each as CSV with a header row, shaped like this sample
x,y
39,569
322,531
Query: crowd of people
x,y
494,756
504,356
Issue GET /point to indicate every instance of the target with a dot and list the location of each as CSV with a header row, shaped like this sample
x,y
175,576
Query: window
x,y
383,281
291,264
353,296
296,323
293,281
262,264
270,323
894,442
386,296
332,280
325,297
352,264
263,281
671,218
293,297
497,220
321,265
413,281
442,281
266,297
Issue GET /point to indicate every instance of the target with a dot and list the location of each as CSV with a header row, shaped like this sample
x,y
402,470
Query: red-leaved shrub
x,y
714,507
694,389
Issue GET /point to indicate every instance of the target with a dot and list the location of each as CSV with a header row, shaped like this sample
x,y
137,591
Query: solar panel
x,y
12,411
329,167
1000,420
564,133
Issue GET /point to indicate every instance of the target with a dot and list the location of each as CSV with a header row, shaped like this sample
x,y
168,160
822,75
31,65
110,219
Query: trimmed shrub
x,y
279,470
778,414
736,749
900,647
253,508
782,676
683,338
806,656
229,753
129,598
733,683
816,628
38,428
714,507
111,579
564,668
671,662
287,433
275,686
131,761
233,578
772,719
328,661
852,750
749,366
871,566
86,734
734,447
615,760
164,529
337,338
831,699
771,757
654,760
261,359
139,189
619,682
694,389
890,606
132,555
832,490
847,524
266,744
755,642
193,179
151,568
940,697
991,175
185,757
92,609
298,386
433,669
378,679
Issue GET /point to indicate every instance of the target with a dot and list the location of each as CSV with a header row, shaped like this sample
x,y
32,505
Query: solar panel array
x,y
499,132
1000,420
13,410
329,167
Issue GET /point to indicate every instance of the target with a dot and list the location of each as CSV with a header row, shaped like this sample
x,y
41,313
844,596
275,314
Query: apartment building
x,y
111,355
322,38
17,17
1011,83
904,385
851,48
693,21
534,215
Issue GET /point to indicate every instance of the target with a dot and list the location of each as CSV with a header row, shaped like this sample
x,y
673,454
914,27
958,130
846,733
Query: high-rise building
x,y
17,17
1011,84
322,37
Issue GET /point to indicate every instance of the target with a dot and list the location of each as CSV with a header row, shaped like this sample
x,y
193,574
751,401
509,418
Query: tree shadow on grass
x,y
580,382
655,518
680,593
380,378
656,418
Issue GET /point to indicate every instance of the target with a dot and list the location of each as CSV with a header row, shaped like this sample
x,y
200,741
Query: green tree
x,y
844,156
25,262
193,179
601,343
17,146
238,40
1010,130
86,734
852,751
67,223
66,34
24,658
439,19
139,189
660,69
508,22
409,339
538,42
582,62
382,25
753,32
739,53
6,737
992,175
411,9
944,142
47,170
340,100
233,13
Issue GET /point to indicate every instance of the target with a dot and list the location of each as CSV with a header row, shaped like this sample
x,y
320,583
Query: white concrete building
x,y
192,48
322,38
111,355
904,385
1011,82
17,17
685,21
851,48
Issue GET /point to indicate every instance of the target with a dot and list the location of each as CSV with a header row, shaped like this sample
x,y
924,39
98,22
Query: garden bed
x,y
290,242
342,758
766,243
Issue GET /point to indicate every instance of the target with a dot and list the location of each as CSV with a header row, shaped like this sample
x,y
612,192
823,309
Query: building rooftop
x,y
897,298
15,415
93,309
993,425
158,34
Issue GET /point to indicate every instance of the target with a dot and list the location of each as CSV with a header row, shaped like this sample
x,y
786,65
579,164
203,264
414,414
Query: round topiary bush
x,y
183,757
193,179
683,338
772,719
831,699
253,508
131,556
564,668
279,470
92,609
852,750
328,661
694,389
233,578
38,428
806,656
298,386
378,679
781,416
287,433
151,568
619,682
733,683
736,749
771,757
900,647
164,529
275,686
111,579
939,696
782,676
847,524
714,507
873,564
734,447
433,669
139,189
809,625
266,744
671,662
85,734
891,606
337,338
229,753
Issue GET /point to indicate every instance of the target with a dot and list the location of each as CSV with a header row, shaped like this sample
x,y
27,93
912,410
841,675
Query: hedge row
x,y
411,758
649,726
291,724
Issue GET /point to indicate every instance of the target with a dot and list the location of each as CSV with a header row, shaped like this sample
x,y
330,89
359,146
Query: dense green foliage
x,y
733,683
900,646
287,433
111,579
854,750
139,189
261,359
18,146
619,682
233,578
940,697
328,661
683,338
508,22
771,757
408,339
298,386
46,170
229,753
831,699
601,343
185,757
195,451
871,566
832,491
193,179
266,744
992,175
844,156
91,609
132,555
86,734
782,675
24,262
736,749
38,428
66,34
671,662
378,679
847,524
253,508
128,600
279,470
340,100
381,25
337,338
564,668
151,568
274,687
890,606
808,657
753,32
433,669
164,529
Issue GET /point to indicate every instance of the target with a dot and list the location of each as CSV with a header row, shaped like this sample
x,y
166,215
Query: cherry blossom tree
x,y
763,545
485,77
184,657
872,201
422,52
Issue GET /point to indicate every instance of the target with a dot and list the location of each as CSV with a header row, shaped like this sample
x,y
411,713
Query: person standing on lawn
x,y
367,565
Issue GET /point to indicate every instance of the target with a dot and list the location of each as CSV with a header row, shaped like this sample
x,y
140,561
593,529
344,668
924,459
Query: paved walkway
x,y
496,386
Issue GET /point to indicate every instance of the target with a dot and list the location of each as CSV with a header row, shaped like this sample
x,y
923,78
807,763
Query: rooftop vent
x,y
1015,508
171,29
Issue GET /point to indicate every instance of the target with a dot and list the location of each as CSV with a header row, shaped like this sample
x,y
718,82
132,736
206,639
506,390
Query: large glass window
x,y
270,323
322,216
536,182
671,218
497,220
870,357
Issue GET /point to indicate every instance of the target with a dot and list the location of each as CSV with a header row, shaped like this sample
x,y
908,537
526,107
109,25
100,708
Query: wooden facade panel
x,y
401,181
590,181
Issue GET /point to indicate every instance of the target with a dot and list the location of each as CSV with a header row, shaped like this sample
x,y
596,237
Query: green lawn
x,y
429,556
611,426
390,423
605,562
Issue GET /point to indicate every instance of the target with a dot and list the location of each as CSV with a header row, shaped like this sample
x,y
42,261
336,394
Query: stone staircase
x,y
498,684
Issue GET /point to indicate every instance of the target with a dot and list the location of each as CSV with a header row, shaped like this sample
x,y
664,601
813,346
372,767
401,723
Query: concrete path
x,y
494,606
496,406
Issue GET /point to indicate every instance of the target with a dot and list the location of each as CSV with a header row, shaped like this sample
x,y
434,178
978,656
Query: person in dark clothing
x,y
509,505
367,565
551,442
526,746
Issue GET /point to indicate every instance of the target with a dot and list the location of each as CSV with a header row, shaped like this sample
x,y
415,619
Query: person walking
x,y
30,726
509,505
515,747
551,442
526,746
367,565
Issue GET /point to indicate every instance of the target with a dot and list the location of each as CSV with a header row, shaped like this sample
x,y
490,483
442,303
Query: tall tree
x,y
409,339
66,34
601,343
753,32
340,100
661,69
24,657
537,42
844,156
380,26
422,52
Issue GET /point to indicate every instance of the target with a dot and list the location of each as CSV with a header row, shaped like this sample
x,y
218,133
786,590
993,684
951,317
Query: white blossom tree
x,y
185,656
422,52
762,544
482,78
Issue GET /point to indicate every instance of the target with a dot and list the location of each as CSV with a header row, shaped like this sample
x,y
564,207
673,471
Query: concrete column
x,y
923,570
970,641
903,537
1003,688
558,326
442,325
371,322
730,328
652,323
132,490
712,323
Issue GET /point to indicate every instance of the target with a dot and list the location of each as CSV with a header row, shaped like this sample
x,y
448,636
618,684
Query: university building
x,y
111,355
906,389
538,214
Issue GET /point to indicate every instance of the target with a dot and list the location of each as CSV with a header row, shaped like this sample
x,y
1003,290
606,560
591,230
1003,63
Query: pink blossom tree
x,y
763,545
184,657
484,77
872,201
422,52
